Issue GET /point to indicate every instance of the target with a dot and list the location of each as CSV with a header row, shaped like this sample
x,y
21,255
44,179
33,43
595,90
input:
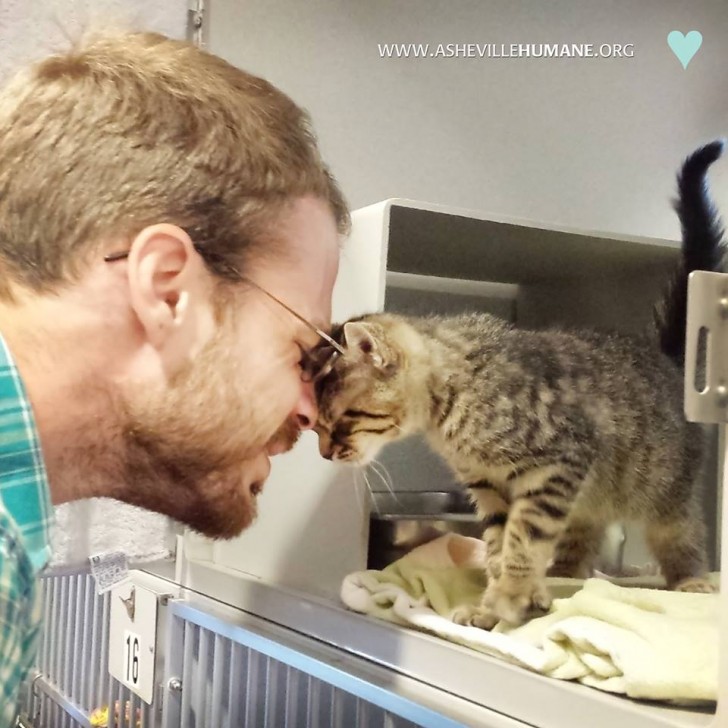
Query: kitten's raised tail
x,y
702,247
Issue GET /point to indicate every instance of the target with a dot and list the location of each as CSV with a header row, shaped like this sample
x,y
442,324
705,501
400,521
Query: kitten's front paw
x,y
515,602
696,584
474,616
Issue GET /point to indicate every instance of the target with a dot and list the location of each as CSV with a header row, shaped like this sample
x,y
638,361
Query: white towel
x,y
99,525
644,643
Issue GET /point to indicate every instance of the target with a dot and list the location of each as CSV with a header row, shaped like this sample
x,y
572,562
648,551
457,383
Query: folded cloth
x,y
99,525
644,643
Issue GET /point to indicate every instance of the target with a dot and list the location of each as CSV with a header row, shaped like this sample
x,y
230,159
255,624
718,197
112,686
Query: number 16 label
x,y
133,638
132,643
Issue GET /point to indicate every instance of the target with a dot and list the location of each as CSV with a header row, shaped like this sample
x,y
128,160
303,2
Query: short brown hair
x,y
130,130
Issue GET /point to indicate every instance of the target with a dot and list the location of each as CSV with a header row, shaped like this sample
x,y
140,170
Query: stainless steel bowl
x,y
402,521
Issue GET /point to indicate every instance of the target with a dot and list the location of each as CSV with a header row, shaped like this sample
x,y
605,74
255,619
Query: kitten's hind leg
x,y
679,546
577,549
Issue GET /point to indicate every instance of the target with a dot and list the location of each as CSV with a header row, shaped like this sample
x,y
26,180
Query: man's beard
x,y
185,449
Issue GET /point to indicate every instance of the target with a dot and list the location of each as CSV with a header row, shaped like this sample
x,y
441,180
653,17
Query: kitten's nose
x,y
325,444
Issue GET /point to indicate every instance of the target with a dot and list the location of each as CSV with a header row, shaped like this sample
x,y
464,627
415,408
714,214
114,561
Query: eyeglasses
x,y
316,362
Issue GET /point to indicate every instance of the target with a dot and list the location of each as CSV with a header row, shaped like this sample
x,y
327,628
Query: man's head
x,y
206,178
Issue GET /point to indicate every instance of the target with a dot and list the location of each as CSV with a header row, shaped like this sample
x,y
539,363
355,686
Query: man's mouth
x,y
278,447
284,439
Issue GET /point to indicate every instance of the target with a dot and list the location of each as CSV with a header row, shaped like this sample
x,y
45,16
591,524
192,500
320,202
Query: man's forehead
x,y
303,277
320,323
308,223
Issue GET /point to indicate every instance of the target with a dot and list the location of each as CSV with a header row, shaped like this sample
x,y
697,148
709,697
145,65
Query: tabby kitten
x,y
555,434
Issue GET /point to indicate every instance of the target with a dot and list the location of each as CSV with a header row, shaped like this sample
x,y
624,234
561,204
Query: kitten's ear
x,y
362,339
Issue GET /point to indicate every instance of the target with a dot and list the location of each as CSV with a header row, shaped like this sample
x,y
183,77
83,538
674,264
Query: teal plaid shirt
x,y
25,517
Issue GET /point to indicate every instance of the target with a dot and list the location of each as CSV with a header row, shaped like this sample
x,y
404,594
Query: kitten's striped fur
x,y
555,434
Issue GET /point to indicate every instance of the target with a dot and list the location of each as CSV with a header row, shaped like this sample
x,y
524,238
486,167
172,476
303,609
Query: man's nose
x,y
306,409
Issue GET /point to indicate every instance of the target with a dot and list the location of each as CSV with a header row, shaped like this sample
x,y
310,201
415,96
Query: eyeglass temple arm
x,y
112,257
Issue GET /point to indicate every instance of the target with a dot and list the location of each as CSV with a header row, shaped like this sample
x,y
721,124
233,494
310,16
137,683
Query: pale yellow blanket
x,y
644,643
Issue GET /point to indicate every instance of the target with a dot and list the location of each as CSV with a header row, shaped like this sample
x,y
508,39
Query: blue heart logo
x,y
684,46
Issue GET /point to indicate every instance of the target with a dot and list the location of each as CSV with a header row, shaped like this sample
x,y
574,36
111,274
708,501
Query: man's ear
x,y
168,286
366,342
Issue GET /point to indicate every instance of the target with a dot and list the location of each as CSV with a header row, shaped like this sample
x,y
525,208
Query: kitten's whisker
x,y
374,469
360,500
381,471
372,499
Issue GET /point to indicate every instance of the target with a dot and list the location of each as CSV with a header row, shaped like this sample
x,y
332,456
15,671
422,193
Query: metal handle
x,y
706,348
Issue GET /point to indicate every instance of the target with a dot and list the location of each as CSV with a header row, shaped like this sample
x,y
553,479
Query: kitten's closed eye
x,y
364,413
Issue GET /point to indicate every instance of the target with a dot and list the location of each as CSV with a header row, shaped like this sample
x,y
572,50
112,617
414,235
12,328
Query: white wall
x,y
592,143
586,143
31,29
